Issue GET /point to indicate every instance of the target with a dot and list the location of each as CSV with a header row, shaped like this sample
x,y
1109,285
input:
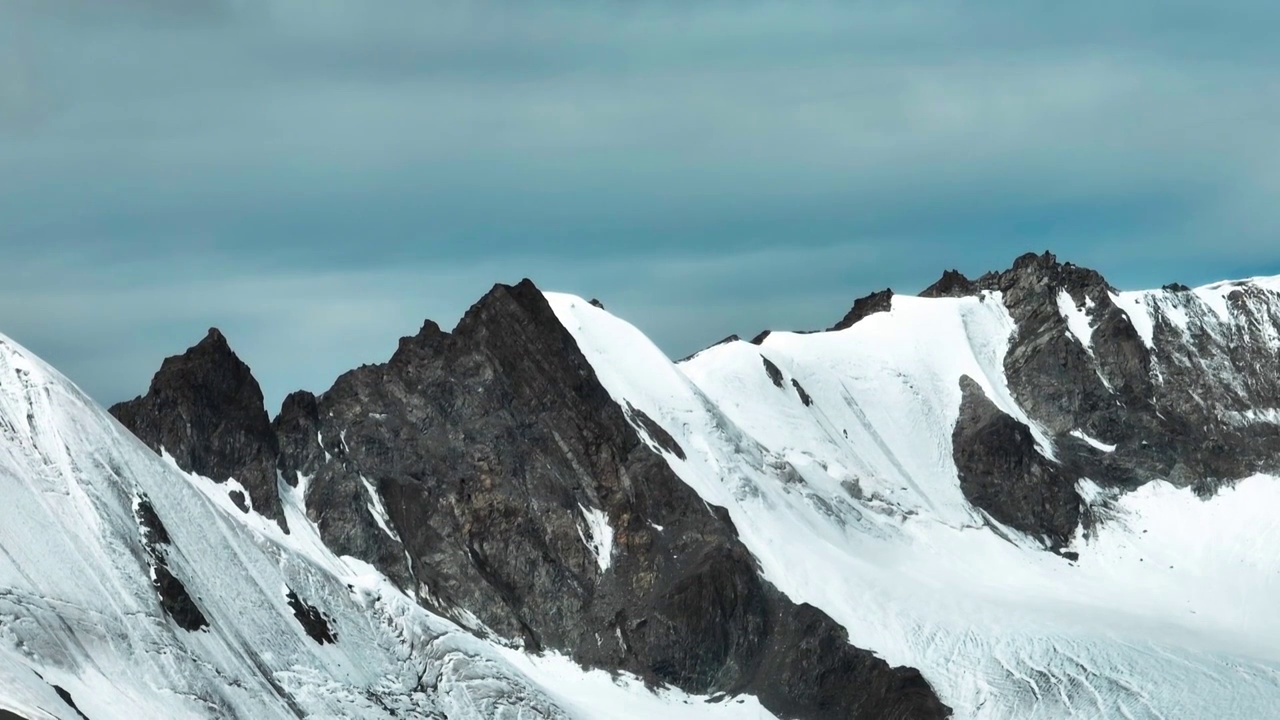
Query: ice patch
x,y
1079,324
598,536
320,440
379,511
1098,444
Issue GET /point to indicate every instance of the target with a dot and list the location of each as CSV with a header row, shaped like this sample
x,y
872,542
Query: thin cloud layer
x,y
316,177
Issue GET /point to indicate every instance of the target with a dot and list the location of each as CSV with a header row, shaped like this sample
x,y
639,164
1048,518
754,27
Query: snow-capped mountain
x,y
130,588
1049,497
1028,495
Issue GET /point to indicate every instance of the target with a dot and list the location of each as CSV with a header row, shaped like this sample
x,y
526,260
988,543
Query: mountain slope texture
x,y
1026,495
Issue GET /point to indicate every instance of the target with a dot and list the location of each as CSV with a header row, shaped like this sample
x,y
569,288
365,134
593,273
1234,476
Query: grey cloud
x,y
319,175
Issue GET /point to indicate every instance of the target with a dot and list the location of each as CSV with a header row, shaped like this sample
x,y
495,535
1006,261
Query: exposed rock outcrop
x,y
881,301
953,283
1173,405
1003,472
205,409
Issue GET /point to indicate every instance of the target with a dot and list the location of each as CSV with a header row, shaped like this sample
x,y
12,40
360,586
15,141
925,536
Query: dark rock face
x,y
206,410
1177,412
174,597
177,601
804,396
1051,373
1104,390
518,493
71,703
773,371
654,432
311,620
881,301
806,688
1002,472
953,283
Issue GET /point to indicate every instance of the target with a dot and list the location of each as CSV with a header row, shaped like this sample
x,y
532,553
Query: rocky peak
x,y
205,408
1033,277
1166,399
426,343
520,308
1031,262
295,431
953,283
881,301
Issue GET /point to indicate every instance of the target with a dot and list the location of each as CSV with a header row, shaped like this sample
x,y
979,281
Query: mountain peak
x,y
1033,261
1034,273
205,408
215,338
881,301
508,311
953,283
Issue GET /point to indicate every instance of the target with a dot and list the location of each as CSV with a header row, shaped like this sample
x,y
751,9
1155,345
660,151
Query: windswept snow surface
x,y
853,505
78,610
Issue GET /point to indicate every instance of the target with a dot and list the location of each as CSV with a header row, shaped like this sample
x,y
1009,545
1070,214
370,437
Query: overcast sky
x,y
316,177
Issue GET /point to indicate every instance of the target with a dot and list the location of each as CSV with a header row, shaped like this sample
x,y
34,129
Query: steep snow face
x,y
87,510
833,454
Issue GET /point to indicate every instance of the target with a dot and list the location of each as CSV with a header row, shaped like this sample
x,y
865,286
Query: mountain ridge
x,y
429,414
536,422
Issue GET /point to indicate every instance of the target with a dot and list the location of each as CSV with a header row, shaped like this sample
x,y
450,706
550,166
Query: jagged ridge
x,y
497,436
471,467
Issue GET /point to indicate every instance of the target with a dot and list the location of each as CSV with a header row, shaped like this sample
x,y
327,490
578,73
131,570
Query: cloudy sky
x,y
315,177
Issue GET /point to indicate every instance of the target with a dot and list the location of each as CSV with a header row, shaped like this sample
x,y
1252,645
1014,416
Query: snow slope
x,y
851,502
78,611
